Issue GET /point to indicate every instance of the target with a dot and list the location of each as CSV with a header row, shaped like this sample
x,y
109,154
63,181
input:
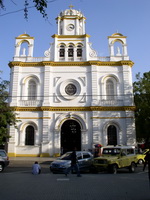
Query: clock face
x,y
70,27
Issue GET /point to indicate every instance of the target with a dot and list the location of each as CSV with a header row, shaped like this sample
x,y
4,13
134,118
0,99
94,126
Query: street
x,y
17,183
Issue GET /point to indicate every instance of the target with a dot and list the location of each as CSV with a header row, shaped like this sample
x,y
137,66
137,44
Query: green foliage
x,y
40,5
7,116
142,102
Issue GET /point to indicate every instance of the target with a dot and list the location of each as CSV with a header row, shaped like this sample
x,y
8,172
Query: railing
x,y
125,100
111,102
104,58
30,103
40,59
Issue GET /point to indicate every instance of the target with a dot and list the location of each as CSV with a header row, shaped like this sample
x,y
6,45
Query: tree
x,y
7,116
40,5
142,102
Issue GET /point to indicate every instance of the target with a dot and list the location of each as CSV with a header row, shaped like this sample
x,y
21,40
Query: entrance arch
x,y
70,136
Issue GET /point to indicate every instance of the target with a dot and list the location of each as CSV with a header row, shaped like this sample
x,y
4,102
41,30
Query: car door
x,y
123,158
87,160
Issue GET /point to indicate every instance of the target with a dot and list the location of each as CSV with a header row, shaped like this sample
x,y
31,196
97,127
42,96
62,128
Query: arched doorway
x,y
112,135
70,136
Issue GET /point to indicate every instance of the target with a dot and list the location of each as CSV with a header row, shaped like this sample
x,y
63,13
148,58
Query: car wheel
x,y
113,169
1,167
140,162
132,167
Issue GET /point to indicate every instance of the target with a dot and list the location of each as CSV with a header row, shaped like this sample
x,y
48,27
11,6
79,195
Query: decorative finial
x,y
71,6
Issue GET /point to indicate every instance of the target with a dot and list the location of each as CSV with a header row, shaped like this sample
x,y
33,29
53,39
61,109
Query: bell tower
x,y
71,22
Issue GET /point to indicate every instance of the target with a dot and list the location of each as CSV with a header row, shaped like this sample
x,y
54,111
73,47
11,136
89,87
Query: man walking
x,y
74,164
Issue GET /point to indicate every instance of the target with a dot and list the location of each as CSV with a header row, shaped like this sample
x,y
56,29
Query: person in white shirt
x,y
36,168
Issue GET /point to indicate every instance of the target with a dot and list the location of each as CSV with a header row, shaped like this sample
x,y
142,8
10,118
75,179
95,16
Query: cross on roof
x,y
71,6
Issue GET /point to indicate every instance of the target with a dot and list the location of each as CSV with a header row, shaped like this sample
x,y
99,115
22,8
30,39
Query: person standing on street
x,y
36,168
74,164
147,161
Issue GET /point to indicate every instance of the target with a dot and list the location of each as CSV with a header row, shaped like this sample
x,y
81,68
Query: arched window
x,y
29,137
70,51
62,51
110,89
24,49
79,51
112,135
32,90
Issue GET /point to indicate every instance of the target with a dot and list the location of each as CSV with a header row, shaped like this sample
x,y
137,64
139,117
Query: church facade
x,y
71,97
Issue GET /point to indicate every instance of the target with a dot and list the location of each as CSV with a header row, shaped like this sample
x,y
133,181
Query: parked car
x,y
141,156
4,160
85,159
114,158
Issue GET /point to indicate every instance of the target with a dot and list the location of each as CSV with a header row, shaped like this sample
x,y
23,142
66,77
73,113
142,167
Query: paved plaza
x,y
20,184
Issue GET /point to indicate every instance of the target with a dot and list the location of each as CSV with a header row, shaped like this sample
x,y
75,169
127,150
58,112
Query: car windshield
x,y
66,156
111,151
2,153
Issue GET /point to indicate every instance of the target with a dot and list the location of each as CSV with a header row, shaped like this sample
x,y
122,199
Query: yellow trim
x,y
70,17
33,117
70,36
56,154
26,36
117,35
22,41
44,155
61,64
117,40
92,108
11,154
71,40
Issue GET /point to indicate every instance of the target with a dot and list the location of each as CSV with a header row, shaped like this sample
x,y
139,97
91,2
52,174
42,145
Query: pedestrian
x,y
36,168
74,164
147,162
147,159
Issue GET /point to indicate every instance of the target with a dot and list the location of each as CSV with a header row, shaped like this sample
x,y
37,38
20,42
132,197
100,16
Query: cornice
x,y
24,38
70,17
116,36
33,117
70,36
75,63
90,108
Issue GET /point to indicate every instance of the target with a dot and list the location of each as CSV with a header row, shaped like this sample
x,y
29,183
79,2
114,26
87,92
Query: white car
x,y
85,159
4,160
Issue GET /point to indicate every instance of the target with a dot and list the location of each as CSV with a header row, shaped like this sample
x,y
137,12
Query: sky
x,y
103,18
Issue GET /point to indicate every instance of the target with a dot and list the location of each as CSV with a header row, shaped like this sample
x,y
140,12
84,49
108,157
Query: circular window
x,y
70,89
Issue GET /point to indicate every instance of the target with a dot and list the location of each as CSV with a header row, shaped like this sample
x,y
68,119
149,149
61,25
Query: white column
x,y
15,79
77,27
30,50
111,46
22,138
125,50
17,50
46,86
66,53
58,26
75,53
